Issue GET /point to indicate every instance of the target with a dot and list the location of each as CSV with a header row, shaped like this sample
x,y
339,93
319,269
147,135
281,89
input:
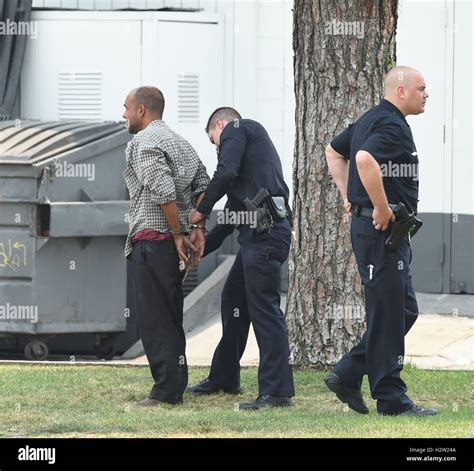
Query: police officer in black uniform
x,y
374,164
248,162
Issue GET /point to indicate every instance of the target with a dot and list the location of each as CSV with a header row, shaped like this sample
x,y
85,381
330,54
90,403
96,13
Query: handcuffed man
x,y
165,179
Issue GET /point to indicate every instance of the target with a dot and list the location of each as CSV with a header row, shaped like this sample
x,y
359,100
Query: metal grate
x,y
191,281
80,95
188,98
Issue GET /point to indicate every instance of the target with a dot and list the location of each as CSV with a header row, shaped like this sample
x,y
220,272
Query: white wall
x,y
435,37
116,4
258,59
462,123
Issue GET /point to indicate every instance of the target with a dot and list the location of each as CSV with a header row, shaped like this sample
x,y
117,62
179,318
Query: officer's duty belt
x,y
358,211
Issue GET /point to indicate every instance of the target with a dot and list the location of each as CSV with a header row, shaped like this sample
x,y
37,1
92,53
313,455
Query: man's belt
x,y
358,211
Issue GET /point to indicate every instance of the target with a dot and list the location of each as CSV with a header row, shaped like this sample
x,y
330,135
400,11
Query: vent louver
x,y
188,98
80,95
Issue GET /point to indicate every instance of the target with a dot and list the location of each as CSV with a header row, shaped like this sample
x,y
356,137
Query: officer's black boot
x,y
416,411
208,387
265,401
351,397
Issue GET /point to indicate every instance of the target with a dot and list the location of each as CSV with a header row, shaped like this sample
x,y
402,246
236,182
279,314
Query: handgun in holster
x,y
268,209
406,224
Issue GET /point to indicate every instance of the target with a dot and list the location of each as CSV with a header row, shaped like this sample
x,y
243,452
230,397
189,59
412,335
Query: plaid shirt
x,y
161,167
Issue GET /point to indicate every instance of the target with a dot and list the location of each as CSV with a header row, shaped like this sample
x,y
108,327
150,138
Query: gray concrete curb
x,y
446,304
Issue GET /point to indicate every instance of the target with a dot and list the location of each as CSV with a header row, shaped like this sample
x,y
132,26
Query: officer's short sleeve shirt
x,y
385,134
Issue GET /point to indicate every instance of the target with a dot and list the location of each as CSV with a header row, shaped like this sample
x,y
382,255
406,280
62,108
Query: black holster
x,y
406,224
268,208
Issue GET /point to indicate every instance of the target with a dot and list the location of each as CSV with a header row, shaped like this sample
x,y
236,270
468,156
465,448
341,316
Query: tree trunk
x,y
342,51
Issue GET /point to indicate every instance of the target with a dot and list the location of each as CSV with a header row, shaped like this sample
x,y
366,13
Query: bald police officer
x,y
374,164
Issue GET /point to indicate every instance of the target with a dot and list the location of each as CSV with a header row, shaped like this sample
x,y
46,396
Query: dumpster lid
x,y
30,142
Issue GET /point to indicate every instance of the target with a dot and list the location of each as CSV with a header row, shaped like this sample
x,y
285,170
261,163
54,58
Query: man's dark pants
x,y
252,294
391,310
159,302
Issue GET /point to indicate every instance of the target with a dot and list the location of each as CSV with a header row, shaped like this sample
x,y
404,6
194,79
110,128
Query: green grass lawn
x,y
98,401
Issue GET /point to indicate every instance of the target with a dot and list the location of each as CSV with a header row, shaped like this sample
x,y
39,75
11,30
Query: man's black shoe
x,y
351,397
208,387
266,401
417,411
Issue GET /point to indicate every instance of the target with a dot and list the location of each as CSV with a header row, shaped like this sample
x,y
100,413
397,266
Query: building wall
x,y
117,4
440,45
258,60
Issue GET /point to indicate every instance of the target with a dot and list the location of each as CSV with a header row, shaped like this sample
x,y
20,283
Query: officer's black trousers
x,y
252,294
159,302
391,310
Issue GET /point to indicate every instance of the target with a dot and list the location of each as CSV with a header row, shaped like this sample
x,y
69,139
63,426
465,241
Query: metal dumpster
x,y
63,218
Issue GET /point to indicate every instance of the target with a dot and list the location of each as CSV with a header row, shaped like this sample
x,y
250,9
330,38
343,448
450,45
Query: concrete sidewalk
x,y
434,342
441,342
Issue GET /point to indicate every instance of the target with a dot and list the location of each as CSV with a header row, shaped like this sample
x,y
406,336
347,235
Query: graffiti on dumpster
x,y
12,255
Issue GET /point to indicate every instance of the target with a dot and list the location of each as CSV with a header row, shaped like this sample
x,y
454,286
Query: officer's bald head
x,y
400,75
405,87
